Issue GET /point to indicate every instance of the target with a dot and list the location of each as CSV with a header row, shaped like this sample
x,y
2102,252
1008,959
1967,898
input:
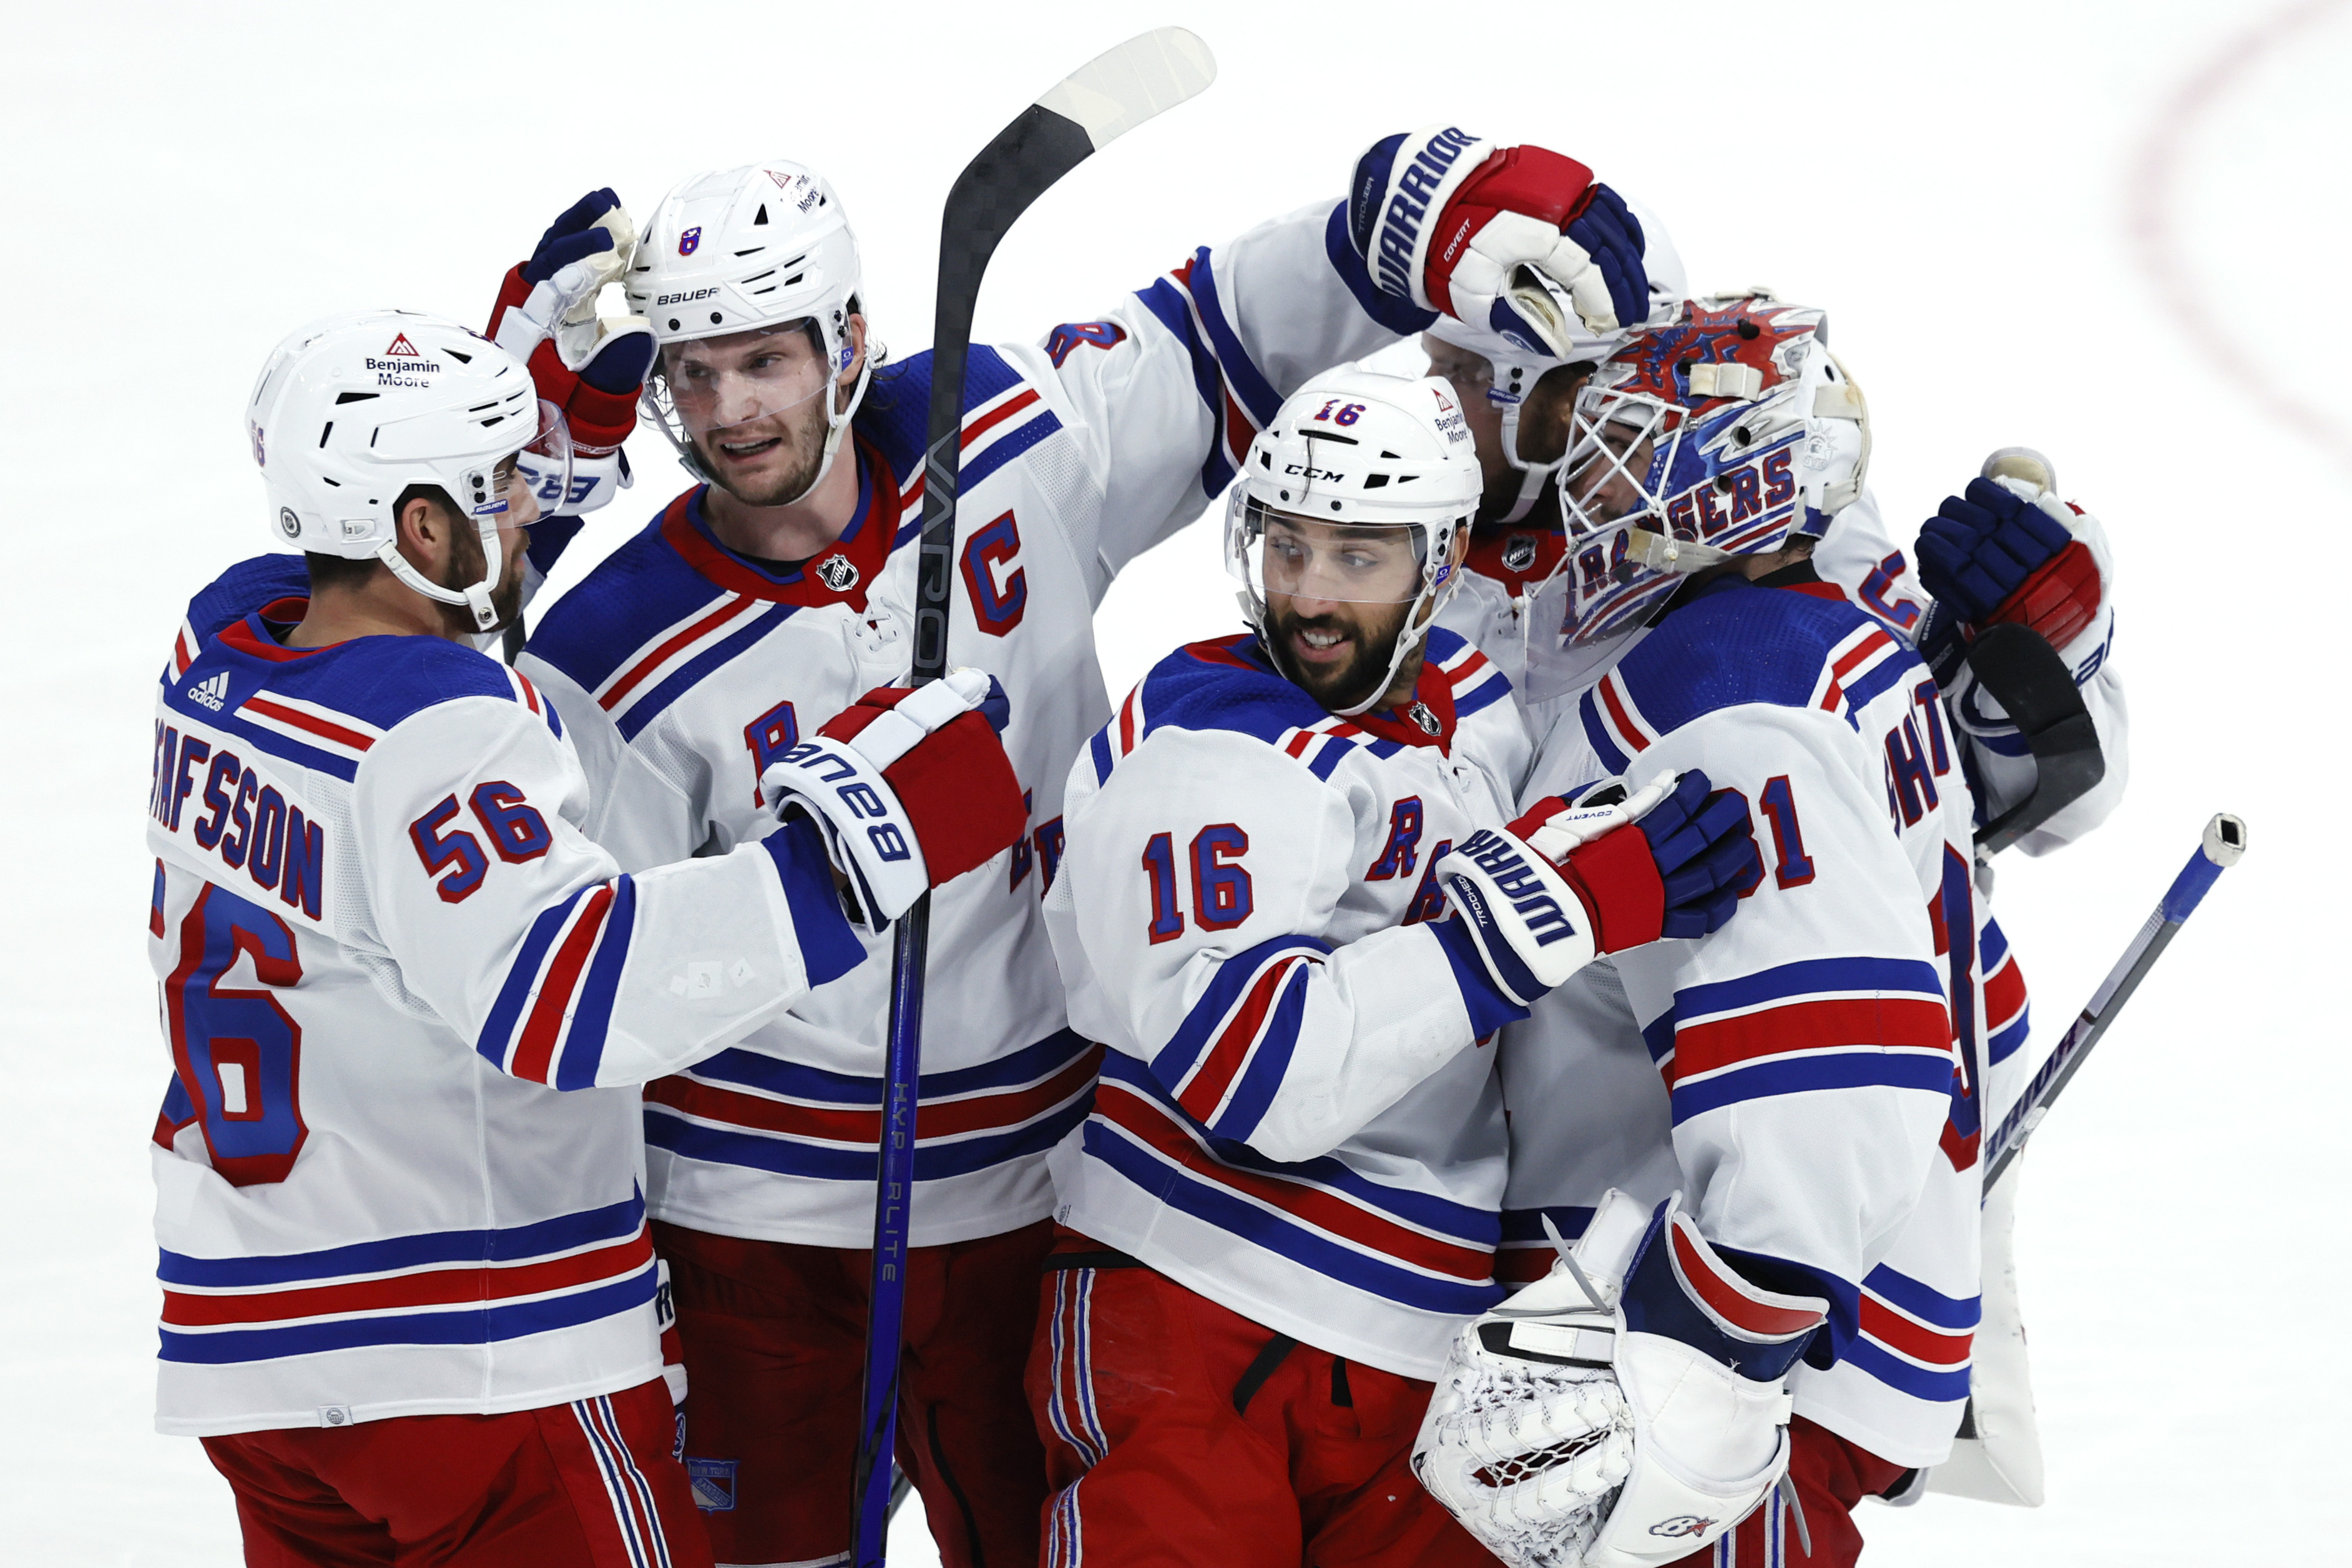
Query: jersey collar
x,y
841,575
1427,720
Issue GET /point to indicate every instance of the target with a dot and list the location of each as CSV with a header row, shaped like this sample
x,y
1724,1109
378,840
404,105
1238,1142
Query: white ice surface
x,y
1960,184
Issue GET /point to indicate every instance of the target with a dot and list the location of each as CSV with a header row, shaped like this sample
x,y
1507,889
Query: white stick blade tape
x,y
1117,90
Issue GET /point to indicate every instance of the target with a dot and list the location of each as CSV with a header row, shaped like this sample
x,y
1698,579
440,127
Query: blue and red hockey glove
x,y
1996,556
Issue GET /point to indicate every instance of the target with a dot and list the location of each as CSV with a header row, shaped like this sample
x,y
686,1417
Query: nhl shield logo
x,y
1420,714
690,242
1519,551
836,573
287,523
713,1484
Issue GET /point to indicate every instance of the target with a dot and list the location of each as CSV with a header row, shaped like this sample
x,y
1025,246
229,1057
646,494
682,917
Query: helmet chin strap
x,y
475,598
1531,475
1409,639
836,425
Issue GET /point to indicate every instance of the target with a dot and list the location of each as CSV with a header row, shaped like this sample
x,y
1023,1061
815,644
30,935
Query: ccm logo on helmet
x,y
1310,472
1401,223
684,299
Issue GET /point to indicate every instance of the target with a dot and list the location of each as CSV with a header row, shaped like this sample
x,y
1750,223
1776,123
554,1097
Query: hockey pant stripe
x,y
625,1486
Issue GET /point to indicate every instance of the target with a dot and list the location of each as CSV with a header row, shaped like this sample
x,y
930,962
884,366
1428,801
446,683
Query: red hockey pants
x,y
586,1485
1180,1432
774,1337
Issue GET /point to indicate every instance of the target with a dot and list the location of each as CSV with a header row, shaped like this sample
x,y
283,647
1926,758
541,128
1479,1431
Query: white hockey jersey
x,y
1509,566
1293,1119
407,1004
682,669
1814,1107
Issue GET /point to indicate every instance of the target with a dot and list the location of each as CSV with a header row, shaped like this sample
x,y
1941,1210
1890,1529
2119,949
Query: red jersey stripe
x,y
429,1288
547,1012
728,610
1936,1346
1846,1023
843,1124
1730,1300
1214,1076
310,723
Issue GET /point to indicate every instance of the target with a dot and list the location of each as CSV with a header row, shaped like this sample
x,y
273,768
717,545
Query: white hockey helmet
x,y
1348,455
351,411
764,245
1516,364
1724,433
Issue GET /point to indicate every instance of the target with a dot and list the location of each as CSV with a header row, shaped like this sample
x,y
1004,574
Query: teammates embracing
x,y
1567,881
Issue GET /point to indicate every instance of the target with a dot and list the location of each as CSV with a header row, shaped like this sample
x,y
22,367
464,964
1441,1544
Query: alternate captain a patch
x,y
713,1483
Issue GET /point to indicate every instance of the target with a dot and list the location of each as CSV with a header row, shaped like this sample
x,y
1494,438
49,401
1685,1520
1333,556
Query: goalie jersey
x,y
1294,1119
1823,1058
407,1004
683,669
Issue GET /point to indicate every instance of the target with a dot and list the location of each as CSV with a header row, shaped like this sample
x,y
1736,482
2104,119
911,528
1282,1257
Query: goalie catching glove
x,y
911,789
593,367
1564,885
1623,1411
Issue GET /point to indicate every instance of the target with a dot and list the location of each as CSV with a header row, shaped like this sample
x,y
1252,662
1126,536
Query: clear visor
x,y
1282,554
710,385
540,473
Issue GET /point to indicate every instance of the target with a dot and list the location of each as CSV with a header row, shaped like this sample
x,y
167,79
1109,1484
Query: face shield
x,y
541,472
1311,564
705,388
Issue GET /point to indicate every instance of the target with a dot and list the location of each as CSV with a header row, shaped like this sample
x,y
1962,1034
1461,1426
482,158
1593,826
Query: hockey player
x,y
1284,1199
768,594
408,1279
1982,554
1816,1135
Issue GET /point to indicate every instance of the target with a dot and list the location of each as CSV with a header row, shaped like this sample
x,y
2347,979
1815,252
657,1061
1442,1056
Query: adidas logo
x,y
212,691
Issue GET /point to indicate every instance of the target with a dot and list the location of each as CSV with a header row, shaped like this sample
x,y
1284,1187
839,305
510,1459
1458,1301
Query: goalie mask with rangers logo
x,y
351,411
1358,491
1726,433
766,246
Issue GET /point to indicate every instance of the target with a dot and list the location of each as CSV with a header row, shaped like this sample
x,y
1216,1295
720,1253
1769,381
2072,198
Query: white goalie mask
x,y
351,411
1725,433
763,247
1355,493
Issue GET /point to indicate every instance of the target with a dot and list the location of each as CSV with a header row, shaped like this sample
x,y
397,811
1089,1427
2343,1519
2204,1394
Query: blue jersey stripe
x,y
592,1013
1809,1075
497,1029
1005,448
1234,976
1612,757
1923,1301
649,707
1256,393
1178,1189
269,741
468,1326
1269,1062
1457,1222
1809,977
1031,1064
1165,301
787,1156
613,1222
1936,1387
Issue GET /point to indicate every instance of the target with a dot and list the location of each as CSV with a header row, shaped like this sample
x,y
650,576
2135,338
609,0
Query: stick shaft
x,y
2223,842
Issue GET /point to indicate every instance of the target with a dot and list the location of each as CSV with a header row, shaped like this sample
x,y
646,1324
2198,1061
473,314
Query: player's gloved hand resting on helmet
x,y
1537,902
591,367
1517,239
910,787
2003,554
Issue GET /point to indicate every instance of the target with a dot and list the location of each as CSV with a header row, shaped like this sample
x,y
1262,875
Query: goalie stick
x,y
2223,843
1104,98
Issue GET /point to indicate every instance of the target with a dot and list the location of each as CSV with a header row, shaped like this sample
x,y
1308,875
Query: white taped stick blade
x,y
1120,89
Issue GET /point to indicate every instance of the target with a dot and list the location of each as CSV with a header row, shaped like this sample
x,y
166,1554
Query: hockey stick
x,y
1108,96
2223,844
2022,671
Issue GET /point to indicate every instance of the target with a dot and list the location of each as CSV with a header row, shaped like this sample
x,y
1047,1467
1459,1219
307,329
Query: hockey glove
x,y
1626,1409
1562,885
592,367
2006,553
912,789
1517,239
